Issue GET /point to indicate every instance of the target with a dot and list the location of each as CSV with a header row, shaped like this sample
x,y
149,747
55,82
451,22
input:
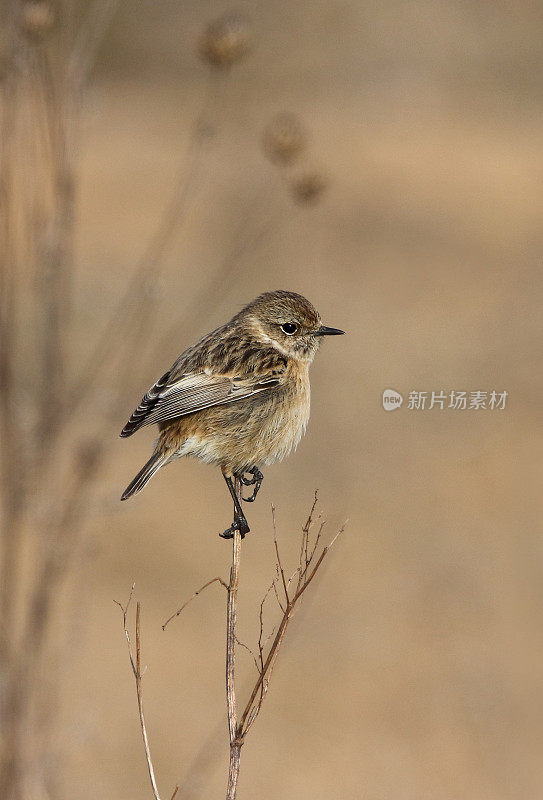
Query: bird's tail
x,y
145,474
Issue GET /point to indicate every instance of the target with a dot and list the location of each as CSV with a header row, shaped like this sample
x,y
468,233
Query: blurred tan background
x,y
414,668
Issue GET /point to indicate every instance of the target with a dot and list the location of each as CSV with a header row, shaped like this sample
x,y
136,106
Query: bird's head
x,y
288,322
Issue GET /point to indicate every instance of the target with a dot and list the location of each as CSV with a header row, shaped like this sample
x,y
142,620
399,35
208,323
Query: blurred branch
x,y
21,689
89,37
219,284
56,249
130,319
60,541
12,450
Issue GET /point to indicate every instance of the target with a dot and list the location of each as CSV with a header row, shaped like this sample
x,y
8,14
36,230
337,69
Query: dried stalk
x,y
231,702
135,663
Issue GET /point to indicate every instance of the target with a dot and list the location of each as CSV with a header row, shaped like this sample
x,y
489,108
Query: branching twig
x,y
308,568
246,647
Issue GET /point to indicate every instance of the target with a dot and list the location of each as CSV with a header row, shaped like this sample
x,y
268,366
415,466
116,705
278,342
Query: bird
x,y
239,398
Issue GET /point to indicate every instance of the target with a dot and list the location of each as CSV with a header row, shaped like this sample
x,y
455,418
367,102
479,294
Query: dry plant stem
x,y
135,663
140,704
231,704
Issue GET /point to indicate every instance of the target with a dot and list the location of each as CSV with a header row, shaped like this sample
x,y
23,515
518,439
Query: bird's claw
x,y
255,480
237,525
252,498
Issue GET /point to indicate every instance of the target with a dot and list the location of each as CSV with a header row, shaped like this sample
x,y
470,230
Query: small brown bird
x,y
238,398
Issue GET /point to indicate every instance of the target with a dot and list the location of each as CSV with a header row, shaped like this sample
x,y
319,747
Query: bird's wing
x,y
193,392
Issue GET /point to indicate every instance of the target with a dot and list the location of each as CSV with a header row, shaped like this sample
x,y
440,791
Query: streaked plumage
x,y
239,397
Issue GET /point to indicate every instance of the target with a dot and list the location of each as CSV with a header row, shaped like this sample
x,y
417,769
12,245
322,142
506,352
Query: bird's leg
x,y
240,523
255,481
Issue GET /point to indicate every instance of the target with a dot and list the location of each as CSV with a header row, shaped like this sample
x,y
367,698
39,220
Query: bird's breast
x,y
287,420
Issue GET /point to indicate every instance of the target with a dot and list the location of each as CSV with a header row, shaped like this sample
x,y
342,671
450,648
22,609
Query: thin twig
x,y
261,645
135,663
279,564
305,533
199,591
279,603
139,692
246,647
317,539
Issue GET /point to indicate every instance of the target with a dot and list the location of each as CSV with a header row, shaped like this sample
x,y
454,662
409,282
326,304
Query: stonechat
x,y
238,398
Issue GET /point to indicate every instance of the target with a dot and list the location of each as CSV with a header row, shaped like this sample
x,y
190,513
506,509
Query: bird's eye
x,y
289,328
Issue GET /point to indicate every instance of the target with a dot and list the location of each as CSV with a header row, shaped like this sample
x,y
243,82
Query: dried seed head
x,y
284,139
308,187
226,41
37,17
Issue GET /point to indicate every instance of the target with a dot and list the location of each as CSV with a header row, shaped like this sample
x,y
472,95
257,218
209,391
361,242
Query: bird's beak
x,y
324,331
